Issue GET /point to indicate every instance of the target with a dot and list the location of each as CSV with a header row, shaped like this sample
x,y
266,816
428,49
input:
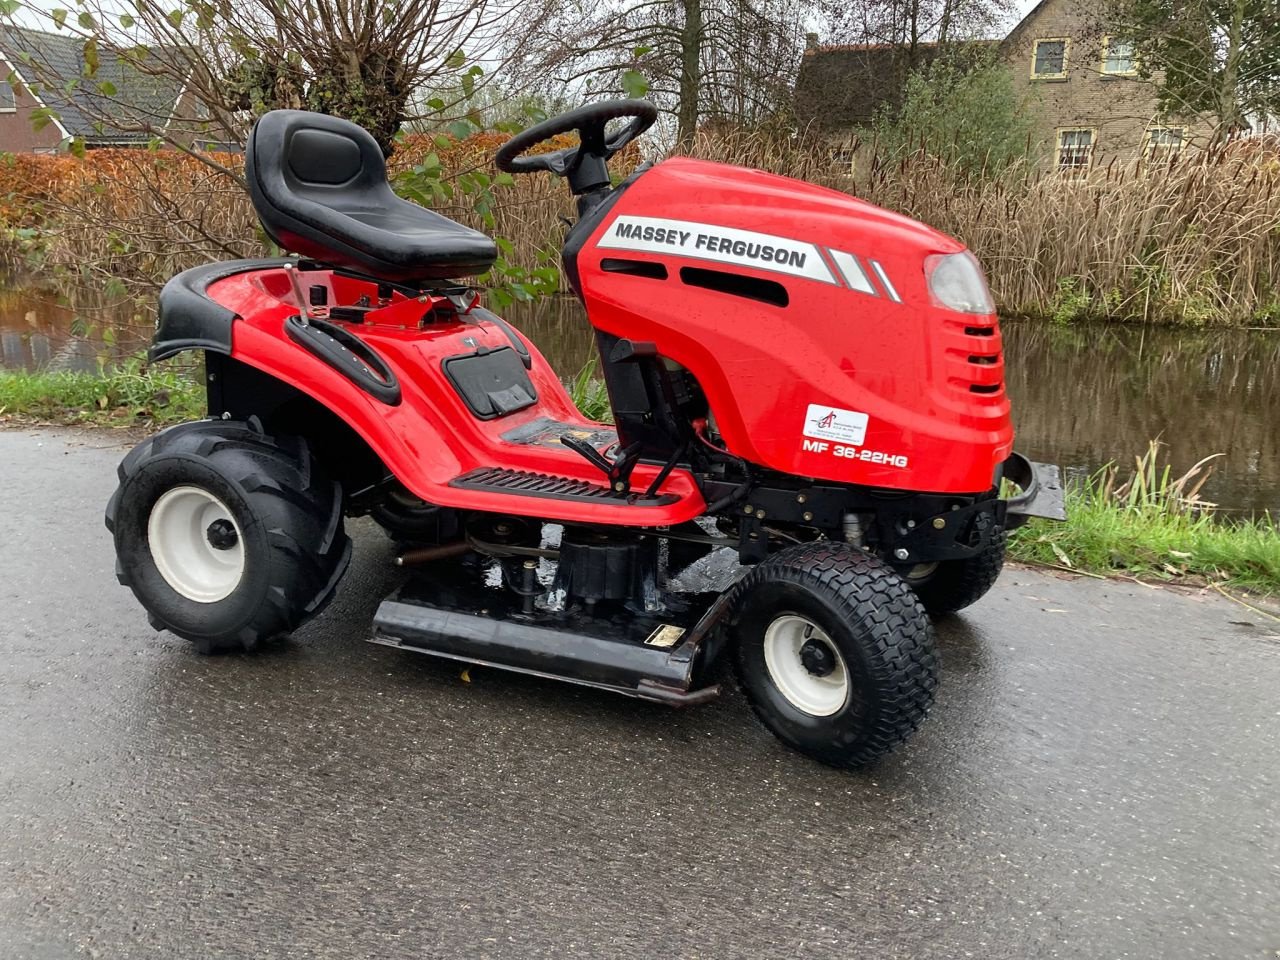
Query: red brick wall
x,y
16,135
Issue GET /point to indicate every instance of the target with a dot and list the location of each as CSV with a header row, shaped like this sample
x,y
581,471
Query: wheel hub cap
x,y
817,659
195,544
222,535
805,666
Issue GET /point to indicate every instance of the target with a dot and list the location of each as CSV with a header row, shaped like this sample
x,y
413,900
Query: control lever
x,y
303,301
617,470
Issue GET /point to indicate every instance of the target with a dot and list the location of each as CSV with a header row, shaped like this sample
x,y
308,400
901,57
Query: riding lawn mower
x,y
798,379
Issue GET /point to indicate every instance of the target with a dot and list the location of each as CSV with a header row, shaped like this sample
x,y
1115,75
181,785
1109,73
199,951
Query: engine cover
x,y
805,317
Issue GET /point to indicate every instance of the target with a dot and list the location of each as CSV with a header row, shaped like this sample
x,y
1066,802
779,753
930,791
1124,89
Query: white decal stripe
x,y
851,269
705,241
884,281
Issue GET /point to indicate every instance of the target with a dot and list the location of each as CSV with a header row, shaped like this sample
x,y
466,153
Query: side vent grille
x,y
979,361
749,288
634,268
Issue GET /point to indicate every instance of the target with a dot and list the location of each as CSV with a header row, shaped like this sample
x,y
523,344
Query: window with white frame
x,y
1117,58
1049,59
1164,143
8,102
1075,149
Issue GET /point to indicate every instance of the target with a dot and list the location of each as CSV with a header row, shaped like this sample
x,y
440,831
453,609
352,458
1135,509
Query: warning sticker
x,y
832,423
665,636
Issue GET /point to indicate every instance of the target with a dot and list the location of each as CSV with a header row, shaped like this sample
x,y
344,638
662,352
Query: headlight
x,y
956,282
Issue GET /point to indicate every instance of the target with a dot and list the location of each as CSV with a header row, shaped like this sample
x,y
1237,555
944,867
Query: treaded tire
x,y
876,624
407,519
956,584
289,518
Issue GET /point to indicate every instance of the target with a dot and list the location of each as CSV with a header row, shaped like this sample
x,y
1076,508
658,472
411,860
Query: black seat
x,y
319,185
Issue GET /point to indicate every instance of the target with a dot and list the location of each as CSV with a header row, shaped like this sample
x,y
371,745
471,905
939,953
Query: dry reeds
x,y
1194,240
1152,487
1153,524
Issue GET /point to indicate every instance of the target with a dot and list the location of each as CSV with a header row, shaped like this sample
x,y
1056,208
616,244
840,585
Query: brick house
x,y
1081,82
143,98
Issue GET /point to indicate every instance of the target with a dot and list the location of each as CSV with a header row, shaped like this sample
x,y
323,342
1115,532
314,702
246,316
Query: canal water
x,y
1082,395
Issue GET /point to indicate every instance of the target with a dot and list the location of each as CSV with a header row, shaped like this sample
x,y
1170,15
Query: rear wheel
x,y
834,652
226,536
952,585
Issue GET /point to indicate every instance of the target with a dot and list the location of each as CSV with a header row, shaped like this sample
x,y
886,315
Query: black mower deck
x,y
654,656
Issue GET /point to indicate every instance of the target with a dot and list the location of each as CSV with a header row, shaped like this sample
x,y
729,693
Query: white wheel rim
x,y
806,690
921,571
179,532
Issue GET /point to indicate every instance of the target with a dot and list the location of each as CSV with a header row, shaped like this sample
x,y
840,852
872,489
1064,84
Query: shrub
x,y
969,116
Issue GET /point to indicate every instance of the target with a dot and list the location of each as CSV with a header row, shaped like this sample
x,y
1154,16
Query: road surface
x,y
1100,779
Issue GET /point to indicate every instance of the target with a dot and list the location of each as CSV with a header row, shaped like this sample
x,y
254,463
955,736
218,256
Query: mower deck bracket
x,y
1042,492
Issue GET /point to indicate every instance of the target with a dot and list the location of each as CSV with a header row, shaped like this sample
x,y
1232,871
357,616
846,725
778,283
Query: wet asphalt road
x,y
1099,779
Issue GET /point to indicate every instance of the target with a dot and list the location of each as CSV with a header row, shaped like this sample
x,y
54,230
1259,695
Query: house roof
x,y
50,61
842,86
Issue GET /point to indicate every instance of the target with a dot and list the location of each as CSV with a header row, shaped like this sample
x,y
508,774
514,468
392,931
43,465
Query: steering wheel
x,y
590,121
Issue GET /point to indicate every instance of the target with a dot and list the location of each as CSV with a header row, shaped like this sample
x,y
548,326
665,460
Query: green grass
x,y
1150,524
589,394
1101,537
130,395
1153,526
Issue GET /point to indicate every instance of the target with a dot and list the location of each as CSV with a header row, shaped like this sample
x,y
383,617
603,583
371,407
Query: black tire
x,y
408,519
955,584
882,634
290,546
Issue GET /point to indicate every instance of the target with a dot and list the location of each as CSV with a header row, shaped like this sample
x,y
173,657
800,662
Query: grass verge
x,y
589,394
1153,526
1149,525
129,396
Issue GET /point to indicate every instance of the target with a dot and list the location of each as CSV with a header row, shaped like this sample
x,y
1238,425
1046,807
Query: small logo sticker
x,y
832,423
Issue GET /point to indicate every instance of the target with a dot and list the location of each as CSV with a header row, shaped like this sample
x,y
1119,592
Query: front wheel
x,y
226,536
410,520
834,652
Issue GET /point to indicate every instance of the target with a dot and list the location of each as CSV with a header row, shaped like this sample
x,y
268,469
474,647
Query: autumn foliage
x,y
1192,241
138,216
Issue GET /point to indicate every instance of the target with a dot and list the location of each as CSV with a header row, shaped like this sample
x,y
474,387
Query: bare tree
x,y
1215,57
874,47
911,24
233,59
728,61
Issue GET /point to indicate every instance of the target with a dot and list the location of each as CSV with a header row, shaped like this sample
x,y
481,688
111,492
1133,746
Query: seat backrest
x,y
319,186
324,152
295,155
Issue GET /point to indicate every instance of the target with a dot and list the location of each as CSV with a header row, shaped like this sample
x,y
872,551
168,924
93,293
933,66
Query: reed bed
x,y
1151,523
1194,241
